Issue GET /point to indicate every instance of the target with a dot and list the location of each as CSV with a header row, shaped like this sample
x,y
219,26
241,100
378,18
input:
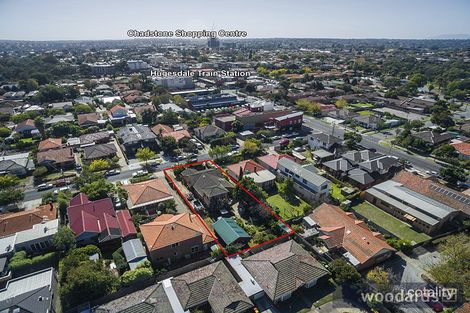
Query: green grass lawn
x,y
362,105
287,210
335,192
365,112
389,222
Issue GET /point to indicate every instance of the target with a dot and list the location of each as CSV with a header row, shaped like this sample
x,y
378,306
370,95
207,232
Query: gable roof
x,y
340,164
343,230
94,217
91,138
11,223
325,138
435,191
168,229
462,148
148,192
303,172
161,129
61,155
433,137
214,285
50,143
99,151
125,223
272,160
87,118
28,124
209,182
229,230
246,166
209,131
283,268
177,134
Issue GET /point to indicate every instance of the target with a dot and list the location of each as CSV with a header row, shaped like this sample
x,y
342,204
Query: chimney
x,y
51,207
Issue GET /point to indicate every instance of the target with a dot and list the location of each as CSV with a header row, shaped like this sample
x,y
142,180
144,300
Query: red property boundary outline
x,y
266,207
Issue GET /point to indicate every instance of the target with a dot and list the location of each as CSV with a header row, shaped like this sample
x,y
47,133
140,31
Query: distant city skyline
x,y
105,19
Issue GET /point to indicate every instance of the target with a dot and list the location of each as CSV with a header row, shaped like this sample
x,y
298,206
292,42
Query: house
x,y
35,293
323,141
433,138
88,119
136,136
118,115
209,185
420,211
67,118
99,151
35,240
289,121
11,223
93,221
321,156
341,232
463,149
230,232
134,252
209,132
140,109
224,121
95,138
50,143
168,131
338,167
310,185
172,237
66,106
368,121
283,269
56,158
147,196
270,161
212,286
27,128
436,191
16,164
249,168
158,298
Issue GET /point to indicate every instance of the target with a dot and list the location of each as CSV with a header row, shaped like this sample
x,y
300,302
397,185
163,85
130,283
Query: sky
x,y
110,19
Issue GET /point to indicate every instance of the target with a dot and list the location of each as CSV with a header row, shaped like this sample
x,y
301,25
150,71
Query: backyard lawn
x,y
389,222
335,192
362,105
365,112
288,210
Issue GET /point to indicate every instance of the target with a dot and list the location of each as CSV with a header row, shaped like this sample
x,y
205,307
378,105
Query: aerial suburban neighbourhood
x,y
182,171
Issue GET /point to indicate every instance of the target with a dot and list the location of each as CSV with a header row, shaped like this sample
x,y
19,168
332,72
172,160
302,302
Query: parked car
x,y
190,196
277,137
43,187
61,189
284,142
113,172
198,145
235,147
299,149
197,205
140,173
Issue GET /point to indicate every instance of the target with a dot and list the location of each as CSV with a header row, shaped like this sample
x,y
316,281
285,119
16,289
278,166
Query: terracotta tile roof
x,y
161,129
116,108
141,108
150,191
50,143
178,135
272,159
246,166
433,190
125,222
168,229
11,223
56,155
462,148
343,230
283,268
89,117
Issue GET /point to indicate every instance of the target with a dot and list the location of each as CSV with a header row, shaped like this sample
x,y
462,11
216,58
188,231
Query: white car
x,y
63,189
140,173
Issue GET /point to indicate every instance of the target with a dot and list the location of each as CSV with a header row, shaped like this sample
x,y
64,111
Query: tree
x,y
98,189
453,267
380,278
251,148
149,117
82,108
344,272
446,151
341,103
145,154
308,106
219,152
452,174
168,144
139,275
169,117
64,239
7,181
88,281
9,191
4,132
286,188
351,139
99,165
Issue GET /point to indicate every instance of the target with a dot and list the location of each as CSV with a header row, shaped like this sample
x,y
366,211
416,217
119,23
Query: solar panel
x,y
449,193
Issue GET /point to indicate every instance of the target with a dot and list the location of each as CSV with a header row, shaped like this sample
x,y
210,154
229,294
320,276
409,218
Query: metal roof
x,y
229,230
303,172
25,284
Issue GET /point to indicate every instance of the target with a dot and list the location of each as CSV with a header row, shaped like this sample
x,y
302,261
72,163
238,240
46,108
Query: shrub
x,y
136,276
120,261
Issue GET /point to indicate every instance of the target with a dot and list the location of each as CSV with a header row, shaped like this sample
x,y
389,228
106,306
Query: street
x,y
372,142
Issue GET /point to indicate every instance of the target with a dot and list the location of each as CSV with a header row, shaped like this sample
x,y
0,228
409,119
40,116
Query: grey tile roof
x,y
152,299
135,133
433,137
340,164
326,138
91,138
360,176
214,285
283,268
99,151
209,131
208,182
